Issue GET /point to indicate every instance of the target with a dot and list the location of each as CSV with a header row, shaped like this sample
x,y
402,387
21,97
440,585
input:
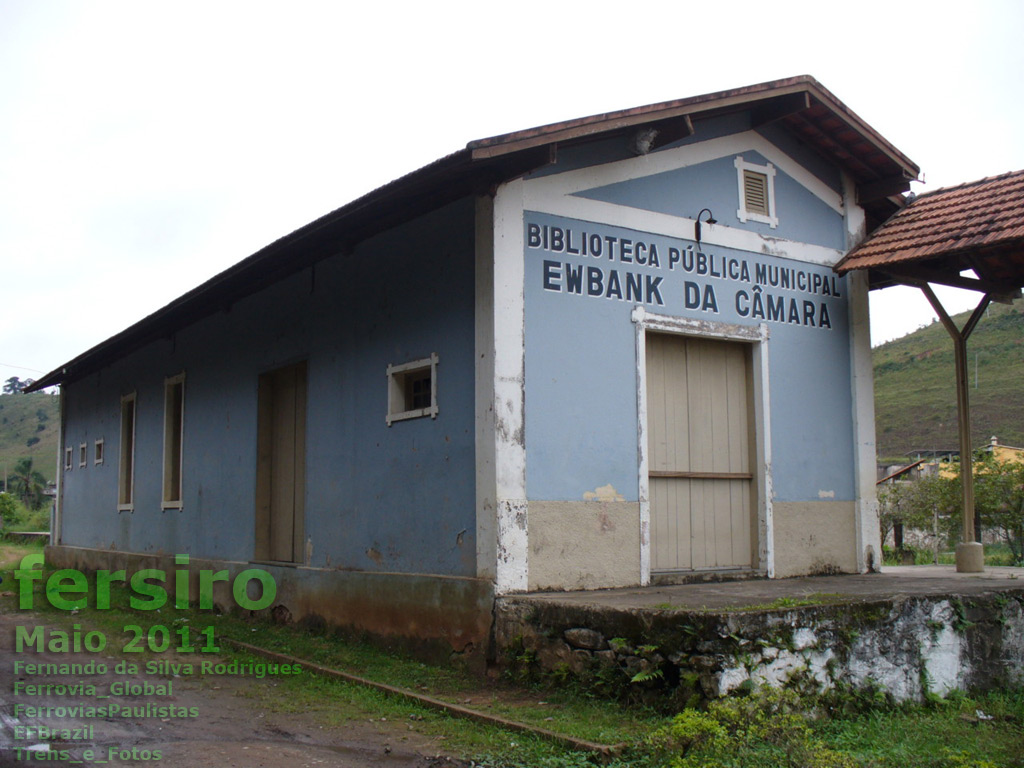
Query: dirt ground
x,y
230,730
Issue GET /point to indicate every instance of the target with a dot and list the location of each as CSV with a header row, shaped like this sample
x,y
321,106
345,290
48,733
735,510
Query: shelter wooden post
x,y
942,237
969,553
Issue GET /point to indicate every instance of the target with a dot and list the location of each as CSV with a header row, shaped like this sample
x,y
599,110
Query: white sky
x,y
146,146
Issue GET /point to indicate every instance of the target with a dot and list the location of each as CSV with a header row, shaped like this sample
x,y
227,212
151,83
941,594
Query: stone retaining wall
x,y
907,647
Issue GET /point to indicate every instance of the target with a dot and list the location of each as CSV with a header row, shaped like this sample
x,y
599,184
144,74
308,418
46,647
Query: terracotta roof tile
x,y
981,217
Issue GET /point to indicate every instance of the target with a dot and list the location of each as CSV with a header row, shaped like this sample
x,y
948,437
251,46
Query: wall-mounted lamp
x,y
696,225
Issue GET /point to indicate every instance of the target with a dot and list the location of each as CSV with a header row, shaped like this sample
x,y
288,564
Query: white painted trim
x,y
862,385
486,514
763,453
643,481
83,455
767,171
58,506
863,402
98,451
856,220
664,224
571,182
867,531
511,570
686,326
396,391
757,336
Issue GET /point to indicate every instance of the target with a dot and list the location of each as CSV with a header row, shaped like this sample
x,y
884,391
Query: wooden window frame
x,y
399,406
126,463
174,442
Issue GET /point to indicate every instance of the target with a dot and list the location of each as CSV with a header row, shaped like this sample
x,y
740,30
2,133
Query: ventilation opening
x,y
755,192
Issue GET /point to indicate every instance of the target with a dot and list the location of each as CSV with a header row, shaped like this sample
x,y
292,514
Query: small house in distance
x,y
606,352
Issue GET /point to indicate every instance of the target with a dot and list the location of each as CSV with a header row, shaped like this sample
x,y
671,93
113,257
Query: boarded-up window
x,y
126,470
174,424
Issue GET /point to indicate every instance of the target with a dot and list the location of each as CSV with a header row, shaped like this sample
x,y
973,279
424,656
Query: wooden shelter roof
x,y
975,226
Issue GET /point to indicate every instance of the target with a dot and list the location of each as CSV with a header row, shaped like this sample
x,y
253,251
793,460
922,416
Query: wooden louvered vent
x,y
755,192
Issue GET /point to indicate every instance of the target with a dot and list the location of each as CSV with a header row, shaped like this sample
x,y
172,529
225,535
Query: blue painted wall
x,y
377,498
803,217
581,403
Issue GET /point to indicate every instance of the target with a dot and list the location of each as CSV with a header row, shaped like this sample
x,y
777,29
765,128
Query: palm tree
x,y
27,484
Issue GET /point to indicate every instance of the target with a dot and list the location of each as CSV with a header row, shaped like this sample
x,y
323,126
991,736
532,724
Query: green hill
x,y
29,425
915,388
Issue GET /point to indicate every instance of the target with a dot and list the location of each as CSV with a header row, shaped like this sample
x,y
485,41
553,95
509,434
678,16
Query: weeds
x,y
842,728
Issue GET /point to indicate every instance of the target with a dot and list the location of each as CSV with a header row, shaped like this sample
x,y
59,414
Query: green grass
x,y
566,710
838,731
782,729
10,557
814,598
915,389
995,555
948,733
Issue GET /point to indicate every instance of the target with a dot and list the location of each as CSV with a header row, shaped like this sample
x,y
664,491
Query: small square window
x,y
68,458
98,452
83,455
756,192
412,390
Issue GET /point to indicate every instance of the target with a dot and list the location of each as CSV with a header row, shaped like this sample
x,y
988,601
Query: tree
x,y
14,385
8,510
915,504
27,484
999,500
892,505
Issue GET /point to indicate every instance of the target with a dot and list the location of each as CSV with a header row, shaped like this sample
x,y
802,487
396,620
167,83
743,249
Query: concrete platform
x,y
747,594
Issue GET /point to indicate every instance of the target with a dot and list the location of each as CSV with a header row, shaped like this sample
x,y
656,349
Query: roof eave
x,y
482,165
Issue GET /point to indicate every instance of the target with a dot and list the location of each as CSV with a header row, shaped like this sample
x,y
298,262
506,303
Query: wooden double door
x,y
700,458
